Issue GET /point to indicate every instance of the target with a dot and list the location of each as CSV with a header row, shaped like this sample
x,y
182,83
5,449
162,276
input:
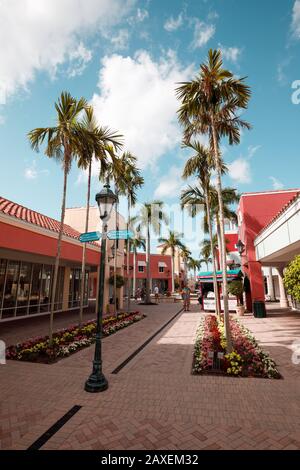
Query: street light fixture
x,y
96,381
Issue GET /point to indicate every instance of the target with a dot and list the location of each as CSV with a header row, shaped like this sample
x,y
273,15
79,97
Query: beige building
x,y
75,217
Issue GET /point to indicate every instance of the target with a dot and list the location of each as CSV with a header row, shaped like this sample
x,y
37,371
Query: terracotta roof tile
x,y
35,218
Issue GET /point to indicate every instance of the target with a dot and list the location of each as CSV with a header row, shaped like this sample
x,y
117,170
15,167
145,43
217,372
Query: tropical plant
x,y
292,278
206,259
151,216
63,143
96,149
185,254
136,244
123,171
201,165
210,105
194,264
172,244
236,288
119,280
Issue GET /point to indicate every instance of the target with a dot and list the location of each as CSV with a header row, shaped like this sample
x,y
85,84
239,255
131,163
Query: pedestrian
x,y
156,294
186,297
143,293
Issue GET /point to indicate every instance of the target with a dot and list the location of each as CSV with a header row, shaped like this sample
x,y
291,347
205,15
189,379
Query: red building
x,y
160,269
255,211
28,244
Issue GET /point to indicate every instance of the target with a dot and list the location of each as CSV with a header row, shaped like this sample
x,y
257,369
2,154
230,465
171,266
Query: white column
x,y
270,285
283,298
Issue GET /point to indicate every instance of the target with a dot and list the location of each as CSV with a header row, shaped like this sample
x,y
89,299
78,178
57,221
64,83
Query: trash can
x,y
259,309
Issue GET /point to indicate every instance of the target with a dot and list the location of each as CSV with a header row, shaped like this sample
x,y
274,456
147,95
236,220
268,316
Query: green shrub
x,y
292,278
119,281
236,288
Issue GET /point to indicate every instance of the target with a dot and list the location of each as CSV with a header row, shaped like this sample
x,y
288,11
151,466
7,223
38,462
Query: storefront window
x,y
3,264
23,288
46,281
34,299
11,287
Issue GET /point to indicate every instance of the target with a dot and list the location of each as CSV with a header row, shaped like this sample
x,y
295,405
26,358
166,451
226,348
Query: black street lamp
x,y
96,381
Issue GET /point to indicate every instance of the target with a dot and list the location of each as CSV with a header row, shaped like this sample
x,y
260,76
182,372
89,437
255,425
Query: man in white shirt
x,y
156,293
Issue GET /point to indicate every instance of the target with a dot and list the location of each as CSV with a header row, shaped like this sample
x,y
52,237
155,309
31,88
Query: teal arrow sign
x,y
90,237
120,234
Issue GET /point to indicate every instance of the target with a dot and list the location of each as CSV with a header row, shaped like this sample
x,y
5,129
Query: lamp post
x,y
96,381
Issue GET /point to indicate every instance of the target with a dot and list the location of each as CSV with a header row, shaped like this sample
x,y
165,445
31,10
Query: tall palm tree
x,y
98,150
171,244
132,181
185,254
136,244
118,170
201,164
63,143
151,216
206,260
210,105
194,264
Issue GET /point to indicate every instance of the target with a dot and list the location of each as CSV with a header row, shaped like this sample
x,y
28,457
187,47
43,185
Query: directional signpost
x,y
120,234
90,237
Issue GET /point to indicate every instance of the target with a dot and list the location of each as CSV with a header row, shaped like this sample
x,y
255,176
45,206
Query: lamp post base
x,y
96,383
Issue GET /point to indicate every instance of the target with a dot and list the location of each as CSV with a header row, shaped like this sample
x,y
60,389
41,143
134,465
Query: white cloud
x,y
141,15
296,19
203,32
42,35
31,172
239,170
276,183
2,119
173,23
252,149
79,59
170,184
231,54
120,41
137,98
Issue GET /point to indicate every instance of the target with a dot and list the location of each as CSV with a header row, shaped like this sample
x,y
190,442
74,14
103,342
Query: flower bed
x,y
247,358
68,340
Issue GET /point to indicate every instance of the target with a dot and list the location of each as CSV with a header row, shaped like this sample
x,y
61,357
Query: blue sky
x,y
126,57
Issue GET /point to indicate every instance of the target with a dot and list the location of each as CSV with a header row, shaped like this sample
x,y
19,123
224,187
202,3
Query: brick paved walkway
x,y
154,402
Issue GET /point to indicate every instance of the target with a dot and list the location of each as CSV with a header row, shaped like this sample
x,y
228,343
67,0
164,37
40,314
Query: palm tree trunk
x,y
134,271
148,265
128,253
222,233
84,245
115,254
219,241
56,267
172,268
215,283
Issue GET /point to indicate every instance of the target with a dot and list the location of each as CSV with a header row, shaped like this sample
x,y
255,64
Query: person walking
x,y
186,297
156,294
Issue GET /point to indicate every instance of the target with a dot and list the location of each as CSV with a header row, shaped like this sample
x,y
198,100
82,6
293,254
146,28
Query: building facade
x,y
256,218
28,244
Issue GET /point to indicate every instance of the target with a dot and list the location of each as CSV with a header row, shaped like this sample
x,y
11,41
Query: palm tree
x,y
151,216
206,260
63,144
210,105
185,254
119,170
201,165
171,244
132,181
135,244
97,150
194,264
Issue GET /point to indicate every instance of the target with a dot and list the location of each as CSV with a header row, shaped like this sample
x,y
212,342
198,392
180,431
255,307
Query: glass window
x,y
23,288
161,269
141,269
3,264
46,281
34,298
11,287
